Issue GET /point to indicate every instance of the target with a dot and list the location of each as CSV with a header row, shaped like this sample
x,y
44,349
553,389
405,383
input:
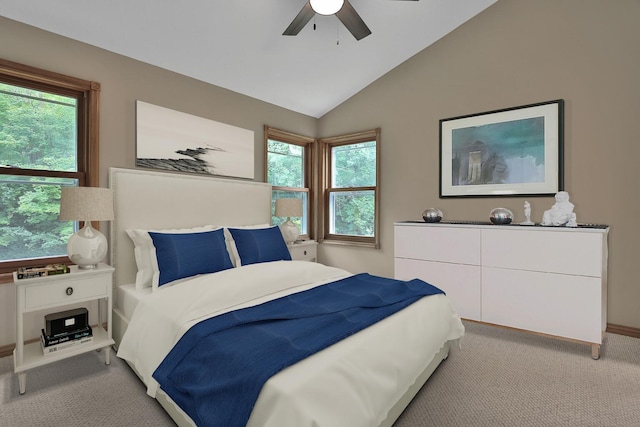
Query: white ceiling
x,y
238,44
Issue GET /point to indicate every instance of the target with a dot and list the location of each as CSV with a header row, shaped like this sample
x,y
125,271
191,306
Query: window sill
x,y
371,245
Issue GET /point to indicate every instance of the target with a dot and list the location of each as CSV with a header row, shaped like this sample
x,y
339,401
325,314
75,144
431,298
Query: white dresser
x,y
549,280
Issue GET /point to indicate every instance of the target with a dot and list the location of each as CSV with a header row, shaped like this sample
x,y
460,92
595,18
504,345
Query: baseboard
x,y
623,330
7,350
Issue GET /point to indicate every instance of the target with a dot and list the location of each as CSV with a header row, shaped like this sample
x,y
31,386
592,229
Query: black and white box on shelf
x,y
66,321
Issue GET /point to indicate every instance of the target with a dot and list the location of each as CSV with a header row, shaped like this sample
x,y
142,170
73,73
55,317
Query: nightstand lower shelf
x,y
33,356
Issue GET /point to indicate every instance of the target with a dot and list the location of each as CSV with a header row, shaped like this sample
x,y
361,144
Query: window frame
x,y
326,146
308,143
88,95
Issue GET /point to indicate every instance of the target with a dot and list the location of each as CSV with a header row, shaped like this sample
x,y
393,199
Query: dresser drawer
x,y
438,243
38,296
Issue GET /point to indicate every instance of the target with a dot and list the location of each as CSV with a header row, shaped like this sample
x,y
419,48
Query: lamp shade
x,y
87,246
289,207
86,204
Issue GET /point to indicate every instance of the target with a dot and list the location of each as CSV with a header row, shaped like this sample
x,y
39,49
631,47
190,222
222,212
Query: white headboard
x,y
160,200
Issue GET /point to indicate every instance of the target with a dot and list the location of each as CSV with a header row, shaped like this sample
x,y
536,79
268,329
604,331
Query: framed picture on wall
x,y
511,152
179,142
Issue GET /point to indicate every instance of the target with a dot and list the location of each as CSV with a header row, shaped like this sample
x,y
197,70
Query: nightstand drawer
x,y
304,251
44,295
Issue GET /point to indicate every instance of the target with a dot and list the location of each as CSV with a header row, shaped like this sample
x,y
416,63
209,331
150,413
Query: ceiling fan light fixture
x,y
326,7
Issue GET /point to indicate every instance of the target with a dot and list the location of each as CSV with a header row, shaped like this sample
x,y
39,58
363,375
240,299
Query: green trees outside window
x,y
352,213
38,134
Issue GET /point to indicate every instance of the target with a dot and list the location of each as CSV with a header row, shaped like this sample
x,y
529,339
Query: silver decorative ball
x,y
501,216
432,215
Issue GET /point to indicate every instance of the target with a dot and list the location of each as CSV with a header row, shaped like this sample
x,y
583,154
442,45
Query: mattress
x,y
127,297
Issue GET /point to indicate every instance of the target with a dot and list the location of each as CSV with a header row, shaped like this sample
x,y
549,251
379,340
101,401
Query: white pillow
x,y
231,244
145,252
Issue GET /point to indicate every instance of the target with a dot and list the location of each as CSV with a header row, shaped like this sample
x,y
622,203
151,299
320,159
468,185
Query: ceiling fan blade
x,y
350,19
300,20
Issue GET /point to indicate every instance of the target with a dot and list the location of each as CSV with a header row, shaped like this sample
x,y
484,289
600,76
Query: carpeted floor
x,y
500,377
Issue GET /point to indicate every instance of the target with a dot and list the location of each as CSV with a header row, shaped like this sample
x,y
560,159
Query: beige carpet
x,y
503,377
499,378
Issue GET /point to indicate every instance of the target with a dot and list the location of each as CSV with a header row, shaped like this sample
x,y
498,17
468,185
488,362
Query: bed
x,y
366,379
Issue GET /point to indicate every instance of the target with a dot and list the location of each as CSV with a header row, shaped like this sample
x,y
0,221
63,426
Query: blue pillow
x,y
186,255
256,245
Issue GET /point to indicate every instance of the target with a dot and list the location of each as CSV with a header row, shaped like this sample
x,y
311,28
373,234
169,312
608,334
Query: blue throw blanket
x,y
217,369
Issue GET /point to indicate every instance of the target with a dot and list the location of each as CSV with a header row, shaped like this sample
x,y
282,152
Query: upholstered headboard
x,y
160,200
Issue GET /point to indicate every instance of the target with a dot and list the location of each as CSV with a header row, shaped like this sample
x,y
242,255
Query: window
x,y
350,188
288,170
48,139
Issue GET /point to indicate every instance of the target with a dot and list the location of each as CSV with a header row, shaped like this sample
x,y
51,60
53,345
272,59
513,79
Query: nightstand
x,y
54,292
304,250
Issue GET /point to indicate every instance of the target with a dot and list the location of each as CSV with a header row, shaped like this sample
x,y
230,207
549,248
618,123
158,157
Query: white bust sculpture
x,y
561,213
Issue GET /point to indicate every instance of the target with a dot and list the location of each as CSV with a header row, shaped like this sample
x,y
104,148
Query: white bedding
x,y
359,378
127,297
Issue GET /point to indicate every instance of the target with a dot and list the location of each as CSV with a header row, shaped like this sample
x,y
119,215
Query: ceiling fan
x,y
341,8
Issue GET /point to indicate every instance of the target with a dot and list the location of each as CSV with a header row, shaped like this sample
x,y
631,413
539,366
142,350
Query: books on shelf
x,y
52,345
46,270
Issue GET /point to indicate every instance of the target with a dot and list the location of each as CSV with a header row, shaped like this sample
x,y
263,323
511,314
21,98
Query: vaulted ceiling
x,y
238,44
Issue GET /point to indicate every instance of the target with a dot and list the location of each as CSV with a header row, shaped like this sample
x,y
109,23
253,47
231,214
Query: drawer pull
x,y
69,290
305,252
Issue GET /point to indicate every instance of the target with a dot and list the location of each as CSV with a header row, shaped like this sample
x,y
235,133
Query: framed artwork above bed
x,y
511,152
179,142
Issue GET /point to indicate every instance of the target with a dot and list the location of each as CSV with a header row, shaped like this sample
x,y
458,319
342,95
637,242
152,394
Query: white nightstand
x,y
305,250
54,292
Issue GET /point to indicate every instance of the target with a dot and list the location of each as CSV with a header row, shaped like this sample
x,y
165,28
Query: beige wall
x,y
514,53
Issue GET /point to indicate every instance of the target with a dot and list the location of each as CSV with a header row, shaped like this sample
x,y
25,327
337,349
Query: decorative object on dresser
x,y
549,280
527,214
58,291
513,151
288,207
88,246
501,216
432,215
561,213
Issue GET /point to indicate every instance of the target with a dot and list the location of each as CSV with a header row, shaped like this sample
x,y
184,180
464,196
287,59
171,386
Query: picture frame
x,y
514,151
174,141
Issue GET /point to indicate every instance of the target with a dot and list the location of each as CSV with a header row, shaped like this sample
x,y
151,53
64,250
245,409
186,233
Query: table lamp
x,y
87,246
288,208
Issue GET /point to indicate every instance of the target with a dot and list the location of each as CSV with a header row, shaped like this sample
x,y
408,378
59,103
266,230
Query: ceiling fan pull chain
x,y
338,35
314,22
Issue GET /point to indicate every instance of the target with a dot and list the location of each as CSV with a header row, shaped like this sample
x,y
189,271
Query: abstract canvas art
x,y
174,141
515,151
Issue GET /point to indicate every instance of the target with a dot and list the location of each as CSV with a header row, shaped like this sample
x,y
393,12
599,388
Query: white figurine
x,y
527,214
561,213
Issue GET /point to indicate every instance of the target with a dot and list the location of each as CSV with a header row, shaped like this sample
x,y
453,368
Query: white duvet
x,y
352,383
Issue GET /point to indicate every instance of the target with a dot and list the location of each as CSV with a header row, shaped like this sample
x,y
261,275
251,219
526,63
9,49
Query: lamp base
x,y
290,231
87,247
